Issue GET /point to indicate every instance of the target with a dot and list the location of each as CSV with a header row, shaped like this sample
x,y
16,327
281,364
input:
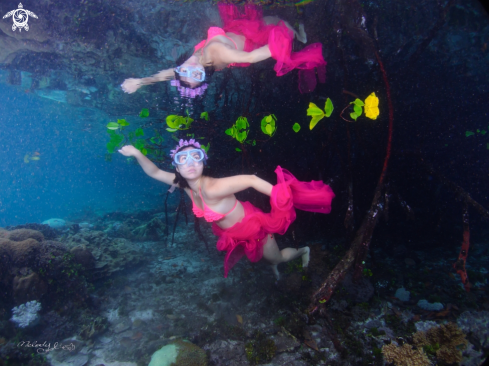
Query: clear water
x,y
121,274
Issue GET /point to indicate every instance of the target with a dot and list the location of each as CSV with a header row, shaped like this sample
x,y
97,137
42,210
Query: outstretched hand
x,y
128,150
131,85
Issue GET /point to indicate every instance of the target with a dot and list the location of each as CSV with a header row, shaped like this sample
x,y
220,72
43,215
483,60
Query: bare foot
x,y
275,271
305,257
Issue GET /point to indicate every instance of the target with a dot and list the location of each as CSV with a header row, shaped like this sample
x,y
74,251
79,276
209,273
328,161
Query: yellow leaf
x,y
314,110
240,319
372,106
314,121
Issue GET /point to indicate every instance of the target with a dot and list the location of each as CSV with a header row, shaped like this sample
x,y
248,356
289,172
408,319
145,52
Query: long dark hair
x,y
209,69
182,183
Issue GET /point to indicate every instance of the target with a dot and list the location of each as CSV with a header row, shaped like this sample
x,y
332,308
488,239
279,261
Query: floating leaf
x,y
26,158
296,127
172,129
314,110
238,149
122,122
372,106
139,132
206,148
314,121
358,110
254,143
483,132
469,133
241,136
113,126
144,151
358,102
156,140
144,113
139,144
204,115
242,123
328,107
268,125
353,115
172,121
230,131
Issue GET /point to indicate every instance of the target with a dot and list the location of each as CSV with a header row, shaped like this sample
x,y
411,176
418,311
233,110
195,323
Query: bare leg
x,y
275,256
299,35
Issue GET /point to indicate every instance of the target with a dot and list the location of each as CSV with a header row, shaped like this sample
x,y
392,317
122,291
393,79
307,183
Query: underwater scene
x,y
244,182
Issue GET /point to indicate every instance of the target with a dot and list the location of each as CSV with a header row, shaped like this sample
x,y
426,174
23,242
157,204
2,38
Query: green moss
x,y
260,349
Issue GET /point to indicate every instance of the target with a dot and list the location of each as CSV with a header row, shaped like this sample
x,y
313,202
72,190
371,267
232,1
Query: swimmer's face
x,y
193,169
194,63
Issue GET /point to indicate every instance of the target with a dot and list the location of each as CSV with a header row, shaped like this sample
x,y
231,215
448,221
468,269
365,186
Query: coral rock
x,y
404,355
83,256
27,288
23,234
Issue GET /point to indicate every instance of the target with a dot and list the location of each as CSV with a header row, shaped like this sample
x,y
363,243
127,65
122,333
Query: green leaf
x,y
269,130
296,127
230,131
111,147
144,113
139,132
483,132
139,144
358,102
469,133
113,126
187,122
241,136
254,143
173,121
144,151
353,115
206,148
122,122
238,149
268,118
328,107
111,132
313,110
242,123
478,131
117,138
314,121
358,110
172,129
204,115
156,140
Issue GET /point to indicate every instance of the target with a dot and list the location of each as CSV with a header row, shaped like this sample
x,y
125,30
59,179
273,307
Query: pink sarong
x,y
248,236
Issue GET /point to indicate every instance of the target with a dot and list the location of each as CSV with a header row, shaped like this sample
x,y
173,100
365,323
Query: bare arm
x,y
148,166
131,85
223,187
221,54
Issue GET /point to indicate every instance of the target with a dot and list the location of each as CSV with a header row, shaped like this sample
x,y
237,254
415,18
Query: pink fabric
x,y
208,214
279,38
247,237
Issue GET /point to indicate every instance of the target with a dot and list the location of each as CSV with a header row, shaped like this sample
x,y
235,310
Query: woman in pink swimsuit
x,y
245,38
242,228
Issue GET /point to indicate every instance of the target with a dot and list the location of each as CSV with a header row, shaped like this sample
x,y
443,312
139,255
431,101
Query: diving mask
x,y
195,73
188,157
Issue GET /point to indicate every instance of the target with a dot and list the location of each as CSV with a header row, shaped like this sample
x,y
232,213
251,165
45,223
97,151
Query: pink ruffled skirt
x,y
248,236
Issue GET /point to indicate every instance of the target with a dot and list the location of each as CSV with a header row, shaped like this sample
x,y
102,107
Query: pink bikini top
x,y
211,33
207,213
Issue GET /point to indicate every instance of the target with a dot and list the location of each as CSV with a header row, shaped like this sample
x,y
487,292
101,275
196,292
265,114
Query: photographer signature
x,y
46,347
